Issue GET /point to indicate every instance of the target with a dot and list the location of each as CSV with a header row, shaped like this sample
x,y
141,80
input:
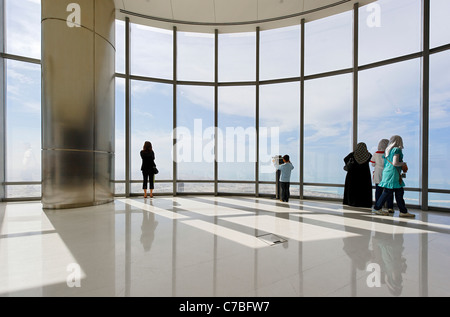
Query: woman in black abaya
x,y
358,182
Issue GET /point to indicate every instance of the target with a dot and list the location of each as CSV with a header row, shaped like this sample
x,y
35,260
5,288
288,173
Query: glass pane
x,y
120,189
439,200
412,198
329,43
440,23
120,130
279,127
389,104
151,120
23,121
324,192
195,54
236,133
195,133
389,28
328,128
237,57
23,28
23,191
120,46
268,189
237,188
151,52
183,187
280,53
439,137
160,187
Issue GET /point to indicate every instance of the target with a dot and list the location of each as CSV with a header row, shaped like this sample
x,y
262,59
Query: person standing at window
x,y
392,181
358,182
378,164
285,178
147,167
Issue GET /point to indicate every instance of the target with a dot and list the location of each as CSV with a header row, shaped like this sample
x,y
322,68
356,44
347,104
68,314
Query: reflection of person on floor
x,y
357,249
148,229
388,250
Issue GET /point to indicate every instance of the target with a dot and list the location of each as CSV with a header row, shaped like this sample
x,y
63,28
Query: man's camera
x,y
278,158
403,175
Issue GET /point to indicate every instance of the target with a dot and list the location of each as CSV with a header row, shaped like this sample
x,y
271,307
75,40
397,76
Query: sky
x,y
389,96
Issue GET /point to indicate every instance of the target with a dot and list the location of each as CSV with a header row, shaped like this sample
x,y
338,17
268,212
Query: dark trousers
x,y
379,192
387,194
285,194
148,176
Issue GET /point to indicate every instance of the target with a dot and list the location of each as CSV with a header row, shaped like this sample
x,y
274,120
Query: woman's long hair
x,y
147,147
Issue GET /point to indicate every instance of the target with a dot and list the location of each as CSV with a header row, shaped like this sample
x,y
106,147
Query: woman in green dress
x,y
392,181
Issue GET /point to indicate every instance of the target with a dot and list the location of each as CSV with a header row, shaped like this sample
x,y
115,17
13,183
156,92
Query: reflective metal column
x,y
78,84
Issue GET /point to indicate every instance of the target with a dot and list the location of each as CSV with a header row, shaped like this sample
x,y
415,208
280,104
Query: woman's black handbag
x,y
155,170
349,165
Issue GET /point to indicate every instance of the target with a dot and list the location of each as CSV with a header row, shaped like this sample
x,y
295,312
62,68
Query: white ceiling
x,y
228,15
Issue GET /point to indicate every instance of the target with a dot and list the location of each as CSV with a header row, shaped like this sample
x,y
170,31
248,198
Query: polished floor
x,y
206,246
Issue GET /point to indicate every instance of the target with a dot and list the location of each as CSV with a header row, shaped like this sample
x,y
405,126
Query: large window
x,y
439,149
328,132
23,128
22,97
195,137
279,130
280,53
257,107
195,54
151,52
440,23
388,29
237,57
328,44
237,134
120,46
23,28
389,104
120,144
151,120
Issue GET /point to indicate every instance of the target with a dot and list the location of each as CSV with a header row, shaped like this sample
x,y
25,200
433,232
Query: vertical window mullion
x,y
257,112
127,108
425,104
302,105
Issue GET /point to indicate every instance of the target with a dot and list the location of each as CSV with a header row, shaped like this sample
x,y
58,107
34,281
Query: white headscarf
x,y
382,145
395,141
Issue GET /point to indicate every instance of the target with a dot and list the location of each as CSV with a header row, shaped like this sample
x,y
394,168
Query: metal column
x,y
78,100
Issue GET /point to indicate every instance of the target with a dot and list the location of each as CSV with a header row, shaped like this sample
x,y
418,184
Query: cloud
x,y
23,37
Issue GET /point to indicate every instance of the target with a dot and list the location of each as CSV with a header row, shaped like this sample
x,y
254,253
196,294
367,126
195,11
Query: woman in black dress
x,y
358,182
148,164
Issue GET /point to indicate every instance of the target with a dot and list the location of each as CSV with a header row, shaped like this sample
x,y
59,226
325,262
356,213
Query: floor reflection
x,y
213,246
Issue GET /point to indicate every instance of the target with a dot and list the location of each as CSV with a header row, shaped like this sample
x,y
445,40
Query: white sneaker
x,y
379,212
407,215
